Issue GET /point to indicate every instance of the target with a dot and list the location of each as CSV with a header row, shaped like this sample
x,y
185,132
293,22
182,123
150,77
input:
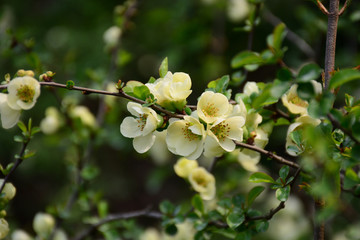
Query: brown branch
x,y
322,7
333,18
269,154
120,216
342,10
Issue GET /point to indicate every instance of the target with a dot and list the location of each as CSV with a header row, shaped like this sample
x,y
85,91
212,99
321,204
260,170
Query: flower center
x,y
221,131
188,134
142,121
298,101
25,93
210,110
200,180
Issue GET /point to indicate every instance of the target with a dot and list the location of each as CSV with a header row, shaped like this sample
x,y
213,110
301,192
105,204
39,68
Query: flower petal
x,y
130,127
143,143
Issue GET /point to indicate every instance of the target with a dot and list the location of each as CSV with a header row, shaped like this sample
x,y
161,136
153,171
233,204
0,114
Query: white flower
x,y
224,132
60,235
52,121
9,116
86,117
186,137
150,234
23,92
172,90
213,106
4,228
203,182
112,35
250,87
20,235
300,123
159,152
184,166
237,10
294,103
9,190
43,224
140,128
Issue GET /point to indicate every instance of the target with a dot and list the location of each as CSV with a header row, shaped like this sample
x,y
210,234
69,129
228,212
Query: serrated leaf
x,y
163,69
259,177
235,219
246,58
253,194
344,76
282,194
309,72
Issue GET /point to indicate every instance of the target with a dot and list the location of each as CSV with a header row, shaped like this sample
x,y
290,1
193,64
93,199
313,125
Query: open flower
x,y
186,137
23,92
172,90
184,166
203,182
213,106
224,132
140,128
301,122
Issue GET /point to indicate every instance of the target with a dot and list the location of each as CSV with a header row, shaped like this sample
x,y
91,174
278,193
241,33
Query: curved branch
x,y
269,154
120,216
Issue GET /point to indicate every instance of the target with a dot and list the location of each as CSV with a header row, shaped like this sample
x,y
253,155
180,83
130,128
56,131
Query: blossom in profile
x,y
9,190
20,235
84,114
52,121
141,127
294,103
22,95
184,166
300,123
43,224
186,137
212,107
172,90
203,182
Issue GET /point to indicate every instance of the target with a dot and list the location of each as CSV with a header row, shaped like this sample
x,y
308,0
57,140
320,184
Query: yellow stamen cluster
x,y
210,110
221,131
188,134
25,93
142,121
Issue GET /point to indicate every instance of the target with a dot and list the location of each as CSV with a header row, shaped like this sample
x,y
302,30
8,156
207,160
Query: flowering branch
x,y
120,216
269,154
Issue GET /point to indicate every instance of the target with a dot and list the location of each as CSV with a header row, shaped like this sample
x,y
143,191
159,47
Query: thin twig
x,y
269,154
322,7
342,10
120,216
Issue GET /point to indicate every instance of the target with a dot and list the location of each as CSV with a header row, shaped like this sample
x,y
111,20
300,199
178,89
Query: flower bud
x,y
20,73
20,235
4,228
9,190
43,224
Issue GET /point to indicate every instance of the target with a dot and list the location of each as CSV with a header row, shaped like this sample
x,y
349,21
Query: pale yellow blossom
x,y
20,235
9,190
212,107
43,224
184,166
4,228
203,182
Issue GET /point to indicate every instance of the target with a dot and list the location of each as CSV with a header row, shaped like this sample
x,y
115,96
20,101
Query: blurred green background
x,y
199,37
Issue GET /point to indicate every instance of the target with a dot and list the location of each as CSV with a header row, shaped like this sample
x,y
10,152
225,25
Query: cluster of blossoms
x,y
23,92
296,105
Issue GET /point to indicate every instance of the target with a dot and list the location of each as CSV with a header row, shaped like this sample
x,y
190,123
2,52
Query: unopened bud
x,y
20,235
43,224
20,73
9,190
4,228
29,73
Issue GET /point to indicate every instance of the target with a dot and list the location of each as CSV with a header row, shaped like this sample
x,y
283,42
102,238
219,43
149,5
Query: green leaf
x,y
259,177
7,169
89,172
282,194
243,236
275,39
321,107
166,207
306,90
70,84
284,172
163,69
152,80
220,85
246,58
197,203
284,75
262,226
296,137
344,76
235,219
309,72
253,194
18,138
141,92
35,130
22,126
29,154
103,209
338,136
349,100
238,201
171,229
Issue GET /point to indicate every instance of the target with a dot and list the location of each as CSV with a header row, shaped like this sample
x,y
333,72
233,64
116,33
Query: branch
x,y
117,94
342,10
322,7
17,163
120,216
269,154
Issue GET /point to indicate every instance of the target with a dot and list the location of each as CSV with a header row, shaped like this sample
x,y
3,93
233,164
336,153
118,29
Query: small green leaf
x,y
284,75
338,136
344,76
238,201
152,80
321,107
29,154
253,194
18,138
89,172
235,219
259,177
7,169
243,236
141,92
349,100
197,203
22,126
262,226
163,69
70,84
246,58
284,172
188,111
220,85
166,207
282,194
103,209
306,90
309,72
35,130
